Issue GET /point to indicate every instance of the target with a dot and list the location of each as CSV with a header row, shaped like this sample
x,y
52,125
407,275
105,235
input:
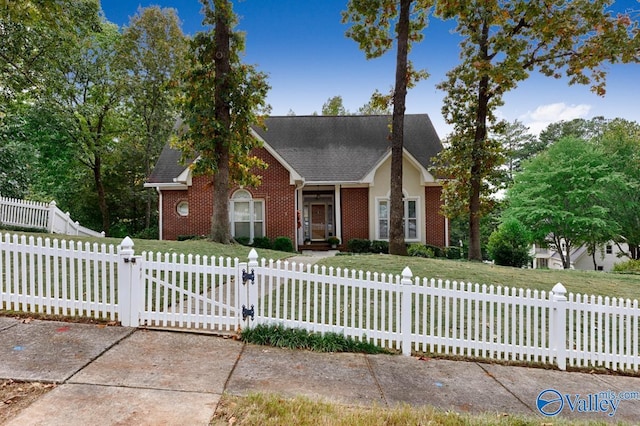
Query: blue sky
x,y
301,45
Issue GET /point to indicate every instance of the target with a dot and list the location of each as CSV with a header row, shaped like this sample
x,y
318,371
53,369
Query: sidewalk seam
x,y
504,387
226,382
90,361
375,379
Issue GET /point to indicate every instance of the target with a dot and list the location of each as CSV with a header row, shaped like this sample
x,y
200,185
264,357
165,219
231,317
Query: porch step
x,y
319,246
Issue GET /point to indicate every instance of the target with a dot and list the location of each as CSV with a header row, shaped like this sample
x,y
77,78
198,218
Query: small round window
x,y
183,208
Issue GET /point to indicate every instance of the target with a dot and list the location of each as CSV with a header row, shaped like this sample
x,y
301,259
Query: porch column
x,y
337,208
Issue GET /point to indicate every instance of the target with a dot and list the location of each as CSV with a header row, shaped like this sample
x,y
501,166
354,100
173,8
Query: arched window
x,y
246,215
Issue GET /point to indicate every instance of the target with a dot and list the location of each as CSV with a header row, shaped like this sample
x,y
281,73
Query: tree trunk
x,y
567,258
396,217
480,136
102,199
220,229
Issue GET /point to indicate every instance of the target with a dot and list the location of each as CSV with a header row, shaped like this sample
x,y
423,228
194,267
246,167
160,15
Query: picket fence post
x,y
246,290
52,216
405,318
558,337
130,289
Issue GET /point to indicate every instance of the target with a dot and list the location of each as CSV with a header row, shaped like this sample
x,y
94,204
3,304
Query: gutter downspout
x,y
160,215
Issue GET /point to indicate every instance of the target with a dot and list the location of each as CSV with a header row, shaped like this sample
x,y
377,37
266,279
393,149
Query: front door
x,y
318,222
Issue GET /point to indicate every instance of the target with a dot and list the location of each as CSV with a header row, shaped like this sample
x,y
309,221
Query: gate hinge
x,y
247,312
248,276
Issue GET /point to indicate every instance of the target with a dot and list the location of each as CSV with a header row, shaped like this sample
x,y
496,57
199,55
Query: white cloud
x,y
538,119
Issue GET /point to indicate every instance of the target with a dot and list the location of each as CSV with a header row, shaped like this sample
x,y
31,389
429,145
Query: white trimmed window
x,y
246,215
183,208
411,215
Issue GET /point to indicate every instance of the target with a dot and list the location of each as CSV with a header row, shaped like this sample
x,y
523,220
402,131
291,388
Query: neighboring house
x,y
327,176
605,257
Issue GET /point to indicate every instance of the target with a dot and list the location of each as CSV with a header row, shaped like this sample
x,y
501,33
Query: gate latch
x,y
247,312
248,276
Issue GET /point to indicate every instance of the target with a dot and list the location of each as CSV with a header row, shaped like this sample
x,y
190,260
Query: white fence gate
x,y
400,312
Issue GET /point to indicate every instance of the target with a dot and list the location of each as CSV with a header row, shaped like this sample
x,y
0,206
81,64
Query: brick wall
x,y
277,193
435,222
279,197
355,216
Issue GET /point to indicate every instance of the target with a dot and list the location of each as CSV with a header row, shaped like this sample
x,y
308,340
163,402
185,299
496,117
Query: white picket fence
x,y
395,311
41,216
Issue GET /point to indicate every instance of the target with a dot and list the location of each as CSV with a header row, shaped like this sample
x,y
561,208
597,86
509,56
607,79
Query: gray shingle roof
x,y
329,148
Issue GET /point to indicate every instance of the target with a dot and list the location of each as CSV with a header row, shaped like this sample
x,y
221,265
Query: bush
x,y
147,234
296,338
283,244
420,250
188,237
242,240
509,244
359,245
437,251
262,242
630,266
334,241
453,252
378,246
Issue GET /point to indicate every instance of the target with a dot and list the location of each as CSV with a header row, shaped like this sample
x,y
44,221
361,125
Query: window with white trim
x,y
246,215
410,218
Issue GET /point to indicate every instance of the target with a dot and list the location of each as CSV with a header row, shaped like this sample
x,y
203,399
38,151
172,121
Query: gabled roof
x,y
327,149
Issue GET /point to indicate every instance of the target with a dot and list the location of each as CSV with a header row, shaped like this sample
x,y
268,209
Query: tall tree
x,y
374,26
223,98
34,34
564,196
334,106
578,128
378,105
620,143
87,100
514,140
502,43
153,50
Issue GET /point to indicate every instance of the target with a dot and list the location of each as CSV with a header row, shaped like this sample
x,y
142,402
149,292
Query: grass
x,y
584,282
201,247
272,410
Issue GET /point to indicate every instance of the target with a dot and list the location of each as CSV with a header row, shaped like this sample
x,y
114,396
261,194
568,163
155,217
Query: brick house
x,y
327,176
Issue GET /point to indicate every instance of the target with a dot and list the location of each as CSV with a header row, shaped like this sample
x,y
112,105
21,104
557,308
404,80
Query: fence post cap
x,y
253,255
52,203
126,246
406,272
559,289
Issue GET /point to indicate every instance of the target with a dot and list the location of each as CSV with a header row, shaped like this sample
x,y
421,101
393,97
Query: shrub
x,y
359,245
151,233
262,242
420,250
333,240
437,251
378,246
509,244
242,240
296,338
453,252
630,266
283,244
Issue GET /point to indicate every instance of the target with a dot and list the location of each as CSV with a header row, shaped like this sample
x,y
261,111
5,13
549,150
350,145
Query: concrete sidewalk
x,y
116,375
